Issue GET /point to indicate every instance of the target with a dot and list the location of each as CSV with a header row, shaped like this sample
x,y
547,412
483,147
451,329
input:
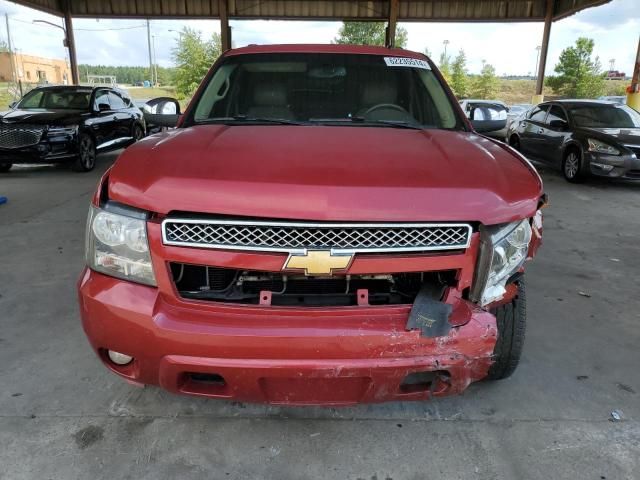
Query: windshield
x,y
605,116
55,100
310,88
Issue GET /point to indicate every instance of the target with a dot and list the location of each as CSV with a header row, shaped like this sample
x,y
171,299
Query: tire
x,y
5,167
138,133
573,167
514,142
511,320
86,159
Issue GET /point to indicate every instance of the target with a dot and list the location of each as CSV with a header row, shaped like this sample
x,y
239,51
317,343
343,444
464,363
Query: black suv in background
x,y
582,137
68,124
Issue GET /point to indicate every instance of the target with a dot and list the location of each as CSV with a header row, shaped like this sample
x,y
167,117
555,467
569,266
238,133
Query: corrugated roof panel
x,y
409,10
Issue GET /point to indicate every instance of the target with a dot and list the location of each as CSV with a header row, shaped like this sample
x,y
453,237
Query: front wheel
x,y
511,320
86,159
138,133
573,167
5,167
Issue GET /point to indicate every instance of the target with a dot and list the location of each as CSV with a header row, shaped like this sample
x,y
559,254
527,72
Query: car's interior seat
x,y
270,101
381,91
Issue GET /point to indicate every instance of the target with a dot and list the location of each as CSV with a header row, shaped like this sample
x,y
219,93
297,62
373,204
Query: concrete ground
x,y
64,416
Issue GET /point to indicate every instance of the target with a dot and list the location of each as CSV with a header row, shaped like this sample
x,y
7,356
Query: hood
x,y
42,117
327,173
629,136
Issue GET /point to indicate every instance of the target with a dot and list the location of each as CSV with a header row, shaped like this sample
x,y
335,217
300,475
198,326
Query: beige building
x,y
32,69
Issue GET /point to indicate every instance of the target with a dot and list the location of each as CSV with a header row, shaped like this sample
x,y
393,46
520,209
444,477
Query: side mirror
x,y
12,105
161,112
558,124
104,107
488,117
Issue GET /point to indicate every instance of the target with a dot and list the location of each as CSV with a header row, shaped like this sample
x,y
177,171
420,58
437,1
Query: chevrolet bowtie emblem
x,y
318,262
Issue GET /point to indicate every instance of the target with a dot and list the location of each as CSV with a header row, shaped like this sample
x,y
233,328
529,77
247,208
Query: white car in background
x,y
515,113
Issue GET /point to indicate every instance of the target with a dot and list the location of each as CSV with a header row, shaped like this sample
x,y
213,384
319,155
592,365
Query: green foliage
x,y
485,85
578,75
459,77
127,75
427,52
193,57
445,67
368,33
3,46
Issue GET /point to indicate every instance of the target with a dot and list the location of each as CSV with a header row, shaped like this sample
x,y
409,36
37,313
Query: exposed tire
x,y
86,159
511,320
514,142
5,167
573,167
138,133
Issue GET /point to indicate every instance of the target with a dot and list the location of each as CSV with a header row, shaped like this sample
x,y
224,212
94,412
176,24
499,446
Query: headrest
x,y
379,91
270,94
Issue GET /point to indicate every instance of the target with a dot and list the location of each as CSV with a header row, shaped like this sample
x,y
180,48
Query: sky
x,y
510,48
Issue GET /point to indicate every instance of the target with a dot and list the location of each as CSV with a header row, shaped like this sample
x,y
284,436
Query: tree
x,y
427,52
445,66
369,33
485,85
193,58
3,46
578,75
459,77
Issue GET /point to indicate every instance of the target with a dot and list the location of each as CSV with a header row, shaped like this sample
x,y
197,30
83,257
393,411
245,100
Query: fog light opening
x,y
119,358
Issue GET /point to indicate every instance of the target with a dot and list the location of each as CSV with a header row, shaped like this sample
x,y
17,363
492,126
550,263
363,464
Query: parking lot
x,y
63,415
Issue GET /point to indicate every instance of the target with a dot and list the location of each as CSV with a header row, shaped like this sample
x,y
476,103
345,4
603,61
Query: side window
x,y
102,97
556,113
116,101
538,113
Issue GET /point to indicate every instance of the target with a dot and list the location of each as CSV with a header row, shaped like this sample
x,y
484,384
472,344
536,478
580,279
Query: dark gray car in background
x,y
582,137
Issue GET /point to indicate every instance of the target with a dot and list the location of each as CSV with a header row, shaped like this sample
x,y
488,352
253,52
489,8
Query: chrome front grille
x,y
19,135
298,237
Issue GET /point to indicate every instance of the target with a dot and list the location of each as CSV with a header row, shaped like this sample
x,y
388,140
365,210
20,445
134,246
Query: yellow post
x,y
633,92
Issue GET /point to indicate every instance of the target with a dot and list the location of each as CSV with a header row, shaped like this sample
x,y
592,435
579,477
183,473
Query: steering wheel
x,y
390,106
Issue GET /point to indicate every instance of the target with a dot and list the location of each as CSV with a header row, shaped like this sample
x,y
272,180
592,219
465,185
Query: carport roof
x,y
408,10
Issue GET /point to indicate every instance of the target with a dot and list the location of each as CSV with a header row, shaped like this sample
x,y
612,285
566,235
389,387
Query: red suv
x,y
324,226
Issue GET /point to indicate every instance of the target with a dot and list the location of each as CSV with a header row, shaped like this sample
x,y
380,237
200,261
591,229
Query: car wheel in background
x,y
572,166
5,167
138,133
511,320
514,142
86,159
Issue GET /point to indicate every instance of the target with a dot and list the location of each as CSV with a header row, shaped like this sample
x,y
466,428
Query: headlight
x,y
117,245
503,251
600,147
68,130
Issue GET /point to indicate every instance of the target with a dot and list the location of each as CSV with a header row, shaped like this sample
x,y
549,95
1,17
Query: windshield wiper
x,y
365,122
248,119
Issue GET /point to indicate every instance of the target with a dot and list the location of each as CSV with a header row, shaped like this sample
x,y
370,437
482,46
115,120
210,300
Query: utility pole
x,y
155,59
538,48
14,76
150,53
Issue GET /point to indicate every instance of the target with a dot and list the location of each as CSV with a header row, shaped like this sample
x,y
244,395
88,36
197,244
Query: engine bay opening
x,y
245,286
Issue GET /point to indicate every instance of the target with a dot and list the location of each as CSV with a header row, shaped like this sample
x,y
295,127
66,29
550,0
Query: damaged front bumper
x,y
282,355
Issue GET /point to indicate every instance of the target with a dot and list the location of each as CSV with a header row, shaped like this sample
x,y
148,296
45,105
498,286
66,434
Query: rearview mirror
x,y
161,112
488,117
12,105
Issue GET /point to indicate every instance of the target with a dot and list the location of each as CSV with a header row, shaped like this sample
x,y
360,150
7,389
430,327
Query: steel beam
x,y
548,20
394,6
71,43
225,29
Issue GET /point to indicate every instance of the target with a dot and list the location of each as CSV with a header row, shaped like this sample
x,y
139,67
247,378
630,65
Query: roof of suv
x,y
324,48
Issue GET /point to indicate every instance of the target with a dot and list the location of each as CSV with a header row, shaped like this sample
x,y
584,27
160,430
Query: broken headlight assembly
x,y
117,244
503,250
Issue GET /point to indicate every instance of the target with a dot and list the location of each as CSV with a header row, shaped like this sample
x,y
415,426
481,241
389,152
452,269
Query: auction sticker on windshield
x,y
406,62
